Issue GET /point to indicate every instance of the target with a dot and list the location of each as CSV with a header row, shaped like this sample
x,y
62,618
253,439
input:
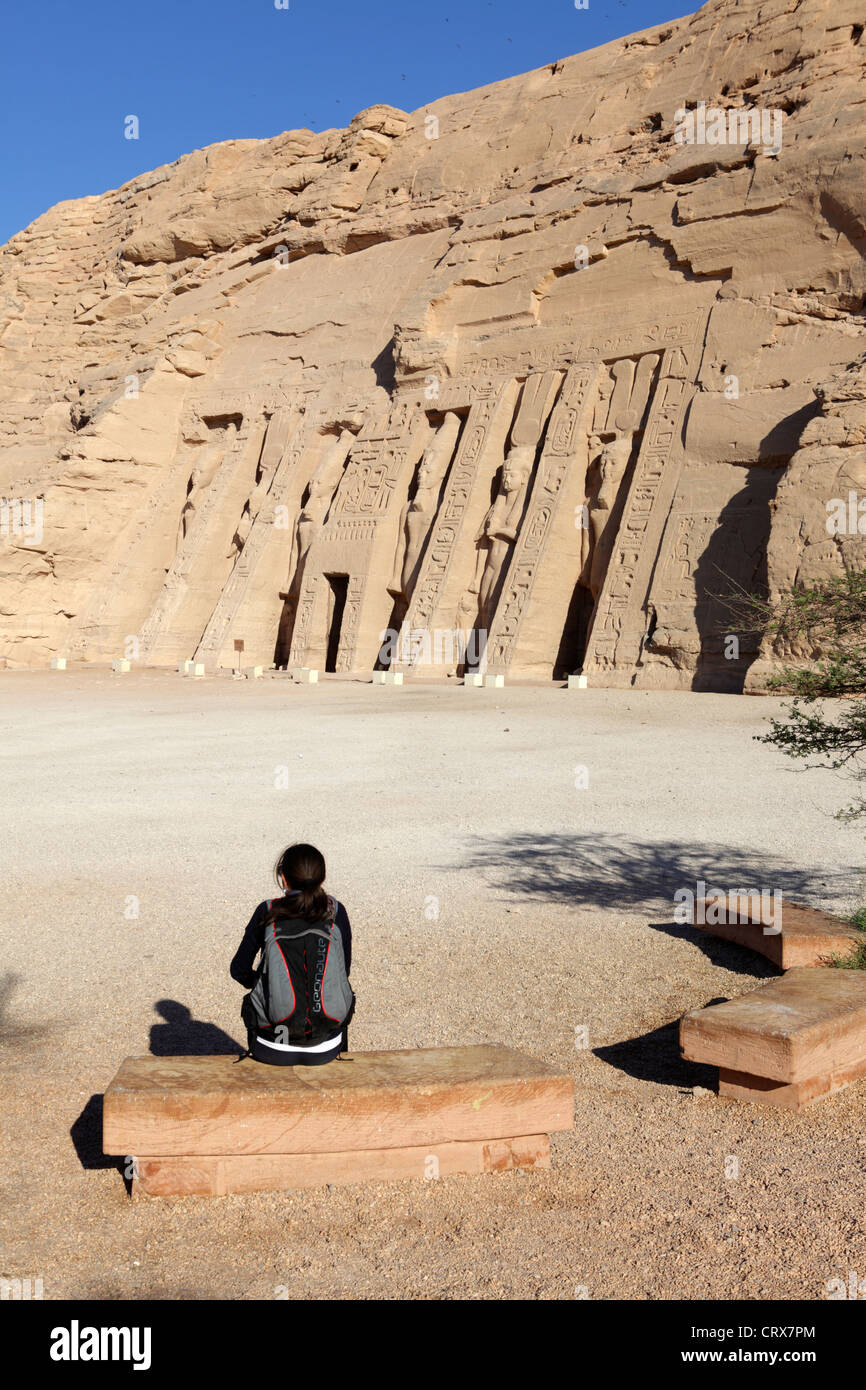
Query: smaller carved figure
x,y
611,464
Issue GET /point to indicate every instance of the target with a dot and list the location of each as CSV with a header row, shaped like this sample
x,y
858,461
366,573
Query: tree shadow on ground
x,y
621,874
181,1035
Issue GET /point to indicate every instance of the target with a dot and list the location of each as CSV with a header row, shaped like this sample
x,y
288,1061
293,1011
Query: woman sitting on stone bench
x,y
300,1000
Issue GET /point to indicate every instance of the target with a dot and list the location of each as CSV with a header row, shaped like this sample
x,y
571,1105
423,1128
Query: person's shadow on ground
x,y
181,1035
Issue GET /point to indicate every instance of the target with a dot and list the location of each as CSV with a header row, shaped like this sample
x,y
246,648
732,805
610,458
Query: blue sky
x,y
198,71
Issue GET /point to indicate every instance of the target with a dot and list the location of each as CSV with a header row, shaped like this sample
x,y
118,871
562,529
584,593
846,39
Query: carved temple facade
x,y
528,515
515,382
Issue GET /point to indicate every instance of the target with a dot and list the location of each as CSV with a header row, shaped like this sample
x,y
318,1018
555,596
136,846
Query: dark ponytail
x,y
303,868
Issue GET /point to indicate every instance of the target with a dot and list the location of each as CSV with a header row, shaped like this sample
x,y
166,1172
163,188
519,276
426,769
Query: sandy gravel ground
x,y
152,787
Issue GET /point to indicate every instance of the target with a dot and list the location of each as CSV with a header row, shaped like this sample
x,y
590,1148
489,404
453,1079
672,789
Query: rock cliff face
x,y
534,375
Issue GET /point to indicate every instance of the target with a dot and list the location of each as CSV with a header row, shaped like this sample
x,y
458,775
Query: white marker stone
x,y
58,663
577,682
120,664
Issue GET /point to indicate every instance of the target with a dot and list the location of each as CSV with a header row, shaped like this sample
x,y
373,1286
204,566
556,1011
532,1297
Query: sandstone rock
x,y
639,355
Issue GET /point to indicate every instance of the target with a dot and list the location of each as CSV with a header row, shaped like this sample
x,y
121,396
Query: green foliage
x,y
833,677
857,958
856,961
829,618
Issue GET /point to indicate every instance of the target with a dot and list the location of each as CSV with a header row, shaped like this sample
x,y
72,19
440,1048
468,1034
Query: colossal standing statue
x,y
203,474
498,531
320,493
417,515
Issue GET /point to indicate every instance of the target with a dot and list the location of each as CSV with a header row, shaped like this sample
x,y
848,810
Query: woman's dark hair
x,y
303,868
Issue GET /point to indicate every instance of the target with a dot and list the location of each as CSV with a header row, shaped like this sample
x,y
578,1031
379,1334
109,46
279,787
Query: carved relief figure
x,y
322,487
255,501
203,474
417,515
252,507
611,464
320,493
498,531
467,644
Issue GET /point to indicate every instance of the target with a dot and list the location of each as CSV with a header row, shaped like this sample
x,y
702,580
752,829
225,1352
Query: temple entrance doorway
x,y
339,587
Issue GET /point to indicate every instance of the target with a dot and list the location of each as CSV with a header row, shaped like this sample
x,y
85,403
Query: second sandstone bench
x,y
795,1039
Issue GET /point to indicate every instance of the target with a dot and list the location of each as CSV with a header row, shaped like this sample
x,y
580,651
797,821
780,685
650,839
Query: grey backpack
x,y
302,995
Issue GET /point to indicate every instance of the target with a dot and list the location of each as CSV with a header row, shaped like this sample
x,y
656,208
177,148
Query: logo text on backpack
x,y
320,971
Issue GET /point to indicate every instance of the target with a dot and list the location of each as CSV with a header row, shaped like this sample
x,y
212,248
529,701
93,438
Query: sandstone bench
x,y
808,937
797,1038
213,1125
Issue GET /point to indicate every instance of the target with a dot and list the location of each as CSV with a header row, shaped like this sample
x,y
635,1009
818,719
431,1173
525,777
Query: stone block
x,y
806,1029
216,1106
214,1176
807,936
